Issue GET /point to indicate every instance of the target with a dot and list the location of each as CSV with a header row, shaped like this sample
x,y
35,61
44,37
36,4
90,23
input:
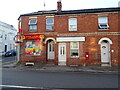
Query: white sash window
x,y
49,24
72,24
103,22
32,25
74,49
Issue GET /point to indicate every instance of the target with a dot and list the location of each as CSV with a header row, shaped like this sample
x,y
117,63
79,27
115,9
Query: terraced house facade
x,y
73,37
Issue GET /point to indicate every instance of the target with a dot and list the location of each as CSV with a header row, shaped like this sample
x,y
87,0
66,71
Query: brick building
x,y
73,37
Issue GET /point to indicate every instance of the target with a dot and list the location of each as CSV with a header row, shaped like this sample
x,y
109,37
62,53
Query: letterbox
x,y
87,55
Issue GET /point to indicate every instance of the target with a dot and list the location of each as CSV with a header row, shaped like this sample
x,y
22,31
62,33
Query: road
x,y
6,60
39,79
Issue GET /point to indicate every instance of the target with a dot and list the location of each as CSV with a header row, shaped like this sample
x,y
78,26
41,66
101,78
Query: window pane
x,y
49,21
102,20
50,48
72,24
103,26
33,27
49,27
72,27
74,49
74,52
61,50
72,21
1,35
32,21
74,45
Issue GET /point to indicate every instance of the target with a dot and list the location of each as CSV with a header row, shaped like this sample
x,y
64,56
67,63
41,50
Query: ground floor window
x,y
74,49
33,47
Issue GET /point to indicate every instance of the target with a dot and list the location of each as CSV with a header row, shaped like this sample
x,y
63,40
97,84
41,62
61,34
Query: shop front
x,y
32,48
33,44
68,49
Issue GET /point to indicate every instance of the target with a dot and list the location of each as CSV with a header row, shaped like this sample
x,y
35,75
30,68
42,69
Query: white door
x,y
50,50
62,54
105,52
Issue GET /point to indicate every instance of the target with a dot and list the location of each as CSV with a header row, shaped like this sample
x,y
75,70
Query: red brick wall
x,y
87,23
113,22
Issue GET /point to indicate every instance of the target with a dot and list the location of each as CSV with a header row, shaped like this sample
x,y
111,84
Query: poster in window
x,y
33,47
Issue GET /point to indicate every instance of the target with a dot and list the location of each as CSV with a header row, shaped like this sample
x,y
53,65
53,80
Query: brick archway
x,y
105,51
107,39
50,38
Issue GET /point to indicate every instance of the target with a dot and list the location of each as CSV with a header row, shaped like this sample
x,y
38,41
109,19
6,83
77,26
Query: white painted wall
x,y
7,34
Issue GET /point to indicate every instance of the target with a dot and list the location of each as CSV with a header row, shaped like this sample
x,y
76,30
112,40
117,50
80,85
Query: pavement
x,y
57,68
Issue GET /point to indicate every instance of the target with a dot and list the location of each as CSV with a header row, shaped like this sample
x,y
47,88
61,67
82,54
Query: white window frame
x,y
32,25
32,29
10,47
5,36
71,48
103,20
1,36
49,24
71,25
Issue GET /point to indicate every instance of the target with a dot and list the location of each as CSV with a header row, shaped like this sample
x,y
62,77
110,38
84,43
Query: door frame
x,y
48,48
62,62
109,42
107,52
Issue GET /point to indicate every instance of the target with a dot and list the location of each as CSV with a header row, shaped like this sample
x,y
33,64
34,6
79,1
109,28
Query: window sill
x,y
50,30
74,56
72,31
103,29
32,30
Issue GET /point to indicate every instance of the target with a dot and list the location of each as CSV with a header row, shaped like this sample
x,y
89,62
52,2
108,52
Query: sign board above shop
x,y
32,37
70,39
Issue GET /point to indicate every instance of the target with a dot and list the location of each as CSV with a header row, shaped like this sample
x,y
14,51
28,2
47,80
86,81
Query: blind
x,y
102,19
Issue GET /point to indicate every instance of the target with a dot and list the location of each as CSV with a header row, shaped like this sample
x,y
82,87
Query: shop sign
x,y
70,39
32,37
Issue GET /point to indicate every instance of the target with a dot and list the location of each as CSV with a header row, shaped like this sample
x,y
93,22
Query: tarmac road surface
x,y
41,79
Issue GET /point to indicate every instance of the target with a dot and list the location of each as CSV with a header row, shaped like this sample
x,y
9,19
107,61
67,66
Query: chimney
x,y
59,6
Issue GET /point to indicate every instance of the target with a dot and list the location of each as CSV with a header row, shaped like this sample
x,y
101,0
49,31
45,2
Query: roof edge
x,y
93,10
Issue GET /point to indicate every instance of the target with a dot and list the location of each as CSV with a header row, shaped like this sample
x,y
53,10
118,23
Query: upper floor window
x,y
32,21
49,24
10,46
5,36
32,25
1,36
103,22
72,24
